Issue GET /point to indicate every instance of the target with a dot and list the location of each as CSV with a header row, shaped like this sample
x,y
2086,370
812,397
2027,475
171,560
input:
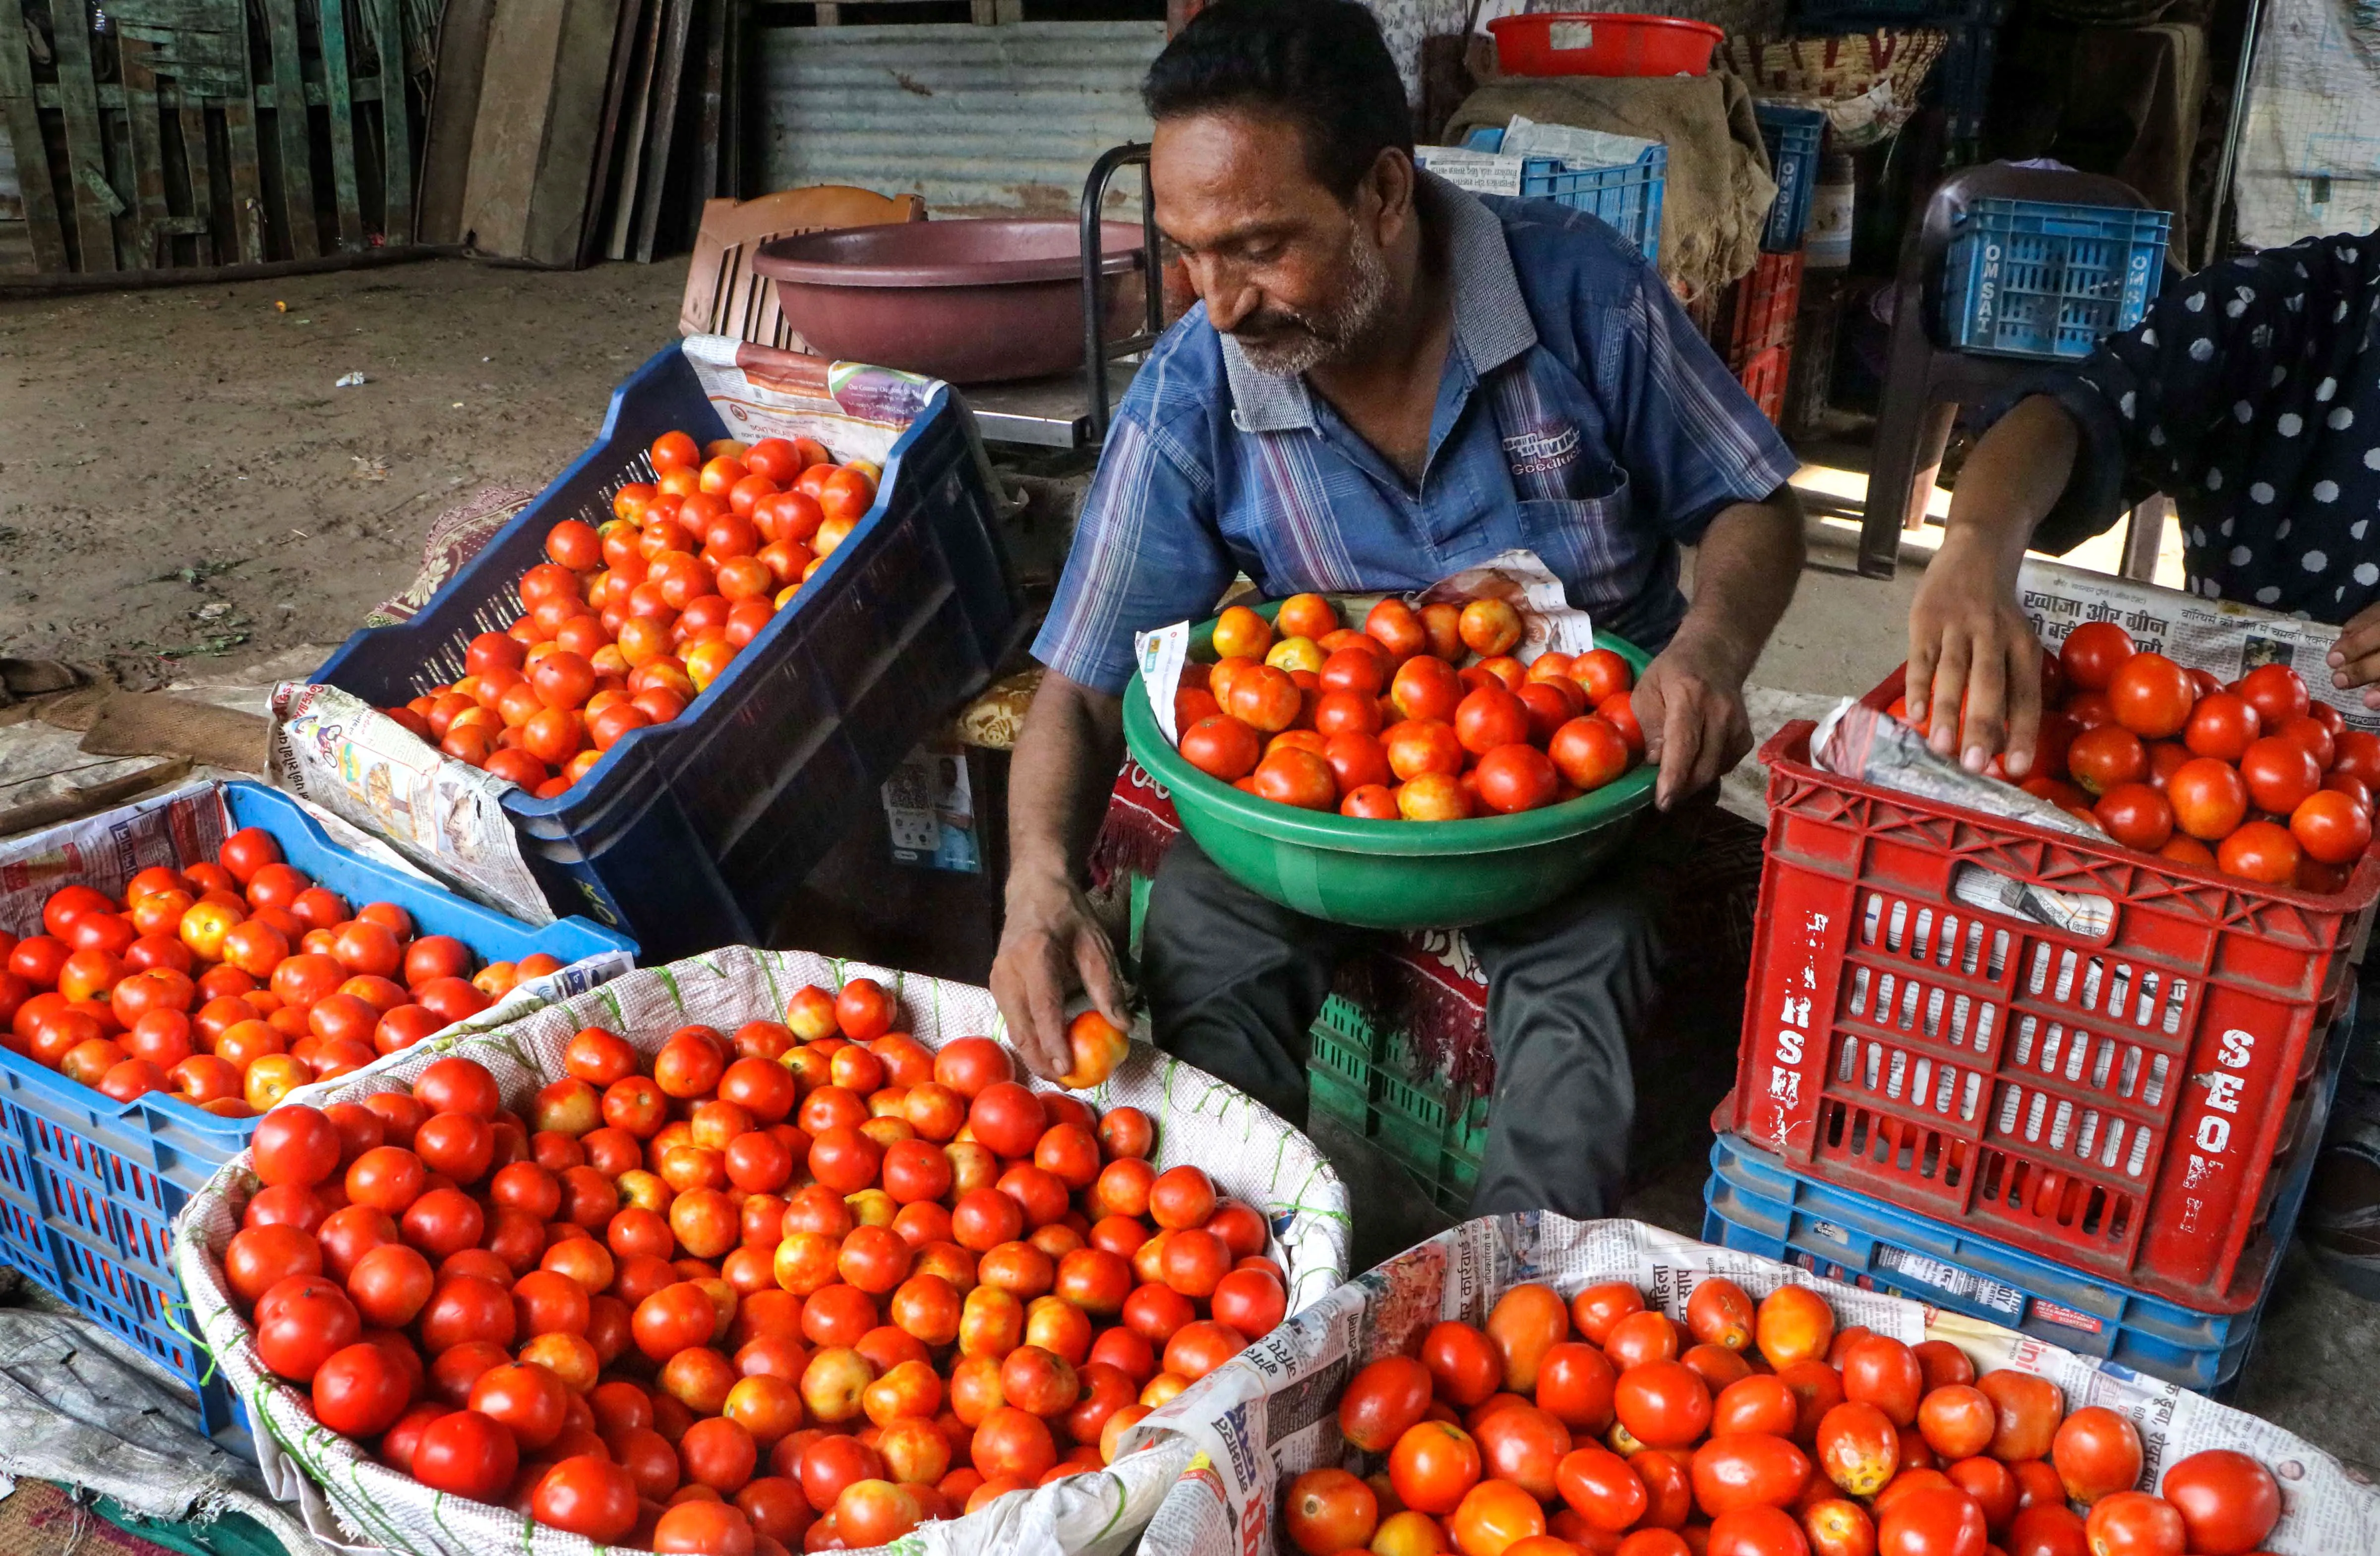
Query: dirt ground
x,y
182,489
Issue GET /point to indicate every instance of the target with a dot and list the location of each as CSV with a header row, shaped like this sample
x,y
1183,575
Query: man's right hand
x,y
1051,944
1971,648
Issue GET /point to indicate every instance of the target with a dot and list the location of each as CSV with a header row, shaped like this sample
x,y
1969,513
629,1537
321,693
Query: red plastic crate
x,y
2127,1106
1765,305
1764,378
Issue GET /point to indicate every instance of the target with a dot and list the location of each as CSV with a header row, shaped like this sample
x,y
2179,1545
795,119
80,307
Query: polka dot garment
x,y
2249,395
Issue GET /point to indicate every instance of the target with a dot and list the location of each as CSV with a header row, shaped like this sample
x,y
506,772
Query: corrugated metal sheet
x,y
1007,118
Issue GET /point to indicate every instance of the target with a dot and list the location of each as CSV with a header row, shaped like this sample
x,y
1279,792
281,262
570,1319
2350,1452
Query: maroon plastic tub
x,y
969,301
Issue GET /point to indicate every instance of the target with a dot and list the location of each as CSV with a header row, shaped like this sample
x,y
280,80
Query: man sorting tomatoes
x,y
2248,394
1391,380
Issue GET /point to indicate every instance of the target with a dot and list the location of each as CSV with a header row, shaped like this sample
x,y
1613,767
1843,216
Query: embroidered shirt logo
x,y
1548,448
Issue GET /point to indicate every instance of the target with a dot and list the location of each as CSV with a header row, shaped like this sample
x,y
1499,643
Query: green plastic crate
x,y
1372,1081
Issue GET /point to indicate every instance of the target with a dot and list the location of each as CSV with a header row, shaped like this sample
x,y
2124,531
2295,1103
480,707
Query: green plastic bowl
x,y
1390,875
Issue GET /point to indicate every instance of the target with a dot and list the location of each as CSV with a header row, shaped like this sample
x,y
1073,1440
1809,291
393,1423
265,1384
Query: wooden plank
x,y
454,116
671,70
198,170
335,66
95,201
291,133
396,126
828,14
600,178
247,191
641,95
707,119
24,125
145,134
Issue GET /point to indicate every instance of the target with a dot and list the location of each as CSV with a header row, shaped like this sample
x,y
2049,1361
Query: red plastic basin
x,y
1603,43
969,301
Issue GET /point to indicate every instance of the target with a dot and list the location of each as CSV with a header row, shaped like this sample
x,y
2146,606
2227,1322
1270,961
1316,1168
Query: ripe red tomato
x,y
587,1495
2279,774
2151,695
2093,653
2134,1524
2228,1501
2331,828
2135,815
1600,1486
1663,1404
1754,1531
2208,797
2276,691
2030,1408
1327,1511
2103,757
1858,1448
465,1454
1463,1363
1931,1521
1574,1383
2223,725
2260,850
1523,1444
1432,1466
1748,1470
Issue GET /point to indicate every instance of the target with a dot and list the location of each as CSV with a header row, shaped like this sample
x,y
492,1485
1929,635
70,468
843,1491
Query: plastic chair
x,y
723,296
1925,383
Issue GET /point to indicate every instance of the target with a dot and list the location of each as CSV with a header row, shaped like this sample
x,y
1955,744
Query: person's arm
x,y
1058,784
1690,699
1969,646
1144,553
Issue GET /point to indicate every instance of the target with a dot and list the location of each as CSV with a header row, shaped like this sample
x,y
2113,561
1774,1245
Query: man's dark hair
x,y
1319,63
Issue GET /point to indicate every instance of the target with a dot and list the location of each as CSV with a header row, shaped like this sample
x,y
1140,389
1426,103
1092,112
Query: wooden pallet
x,y
157,140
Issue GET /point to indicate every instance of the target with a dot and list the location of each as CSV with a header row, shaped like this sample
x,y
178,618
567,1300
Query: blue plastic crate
x,y
1625,196
1754,1201
1792,135
693,834
2039,278
89,1185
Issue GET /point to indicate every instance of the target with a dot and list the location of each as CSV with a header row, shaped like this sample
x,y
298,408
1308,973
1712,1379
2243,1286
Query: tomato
x,y
2095,1451
1600,1486
1642,1337
1837,1528
2357,755
586,1494
2260,850
1718,1312
359,1391
1523,1444
1931,1521
2331,828
2277,693
295,1145
1755,1531
2279,774
1590,751
1793,1325
1432,1466
1575,1384
1747,1469
2223,725
2136,815
2228,1501
2209,798
1494,1516
1528,1322
1858,1448
2030,1408
300,1322
1884,1372
2100,759
1662,1404
1327,1511
2151,695
1463,1363
1760,1403
2048,1530
2093,653
2134,1524
1958,1420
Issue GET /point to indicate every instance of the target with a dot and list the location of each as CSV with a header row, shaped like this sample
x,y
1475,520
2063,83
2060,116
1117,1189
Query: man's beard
x,y
1288,342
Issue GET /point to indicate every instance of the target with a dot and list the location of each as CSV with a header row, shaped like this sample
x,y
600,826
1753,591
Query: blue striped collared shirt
x,y
1580,417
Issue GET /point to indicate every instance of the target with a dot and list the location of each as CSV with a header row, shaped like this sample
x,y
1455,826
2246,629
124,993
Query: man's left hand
x,y
1690,702
2355,658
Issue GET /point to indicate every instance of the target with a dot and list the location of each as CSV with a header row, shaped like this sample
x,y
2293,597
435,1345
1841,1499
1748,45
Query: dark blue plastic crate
x,y
1625,196
2040,278
693,834
1792,135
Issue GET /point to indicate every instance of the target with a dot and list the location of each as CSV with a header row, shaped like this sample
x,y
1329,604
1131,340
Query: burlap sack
x,y
346,1497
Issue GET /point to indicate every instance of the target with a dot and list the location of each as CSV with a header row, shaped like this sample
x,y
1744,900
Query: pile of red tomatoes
x,y
624,625
2253,779
802,1287
1381,723
1600,1425
228,984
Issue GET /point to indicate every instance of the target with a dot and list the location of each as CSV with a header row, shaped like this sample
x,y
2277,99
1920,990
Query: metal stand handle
x,y
1097,347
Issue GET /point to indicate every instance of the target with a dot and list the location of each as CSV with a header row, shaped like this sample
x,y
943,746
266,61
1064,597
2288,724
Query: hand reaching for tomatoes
x,y
2355,658
1971,648
1690,705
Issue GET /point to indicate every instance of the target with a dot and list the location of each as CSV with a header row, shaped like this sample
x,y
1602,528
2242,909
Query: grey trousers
x,y
1234,982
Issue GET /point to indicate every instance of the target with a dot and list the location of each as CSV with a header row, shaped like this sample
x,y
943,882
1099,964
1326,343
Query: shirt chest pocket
x,y
1590,541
